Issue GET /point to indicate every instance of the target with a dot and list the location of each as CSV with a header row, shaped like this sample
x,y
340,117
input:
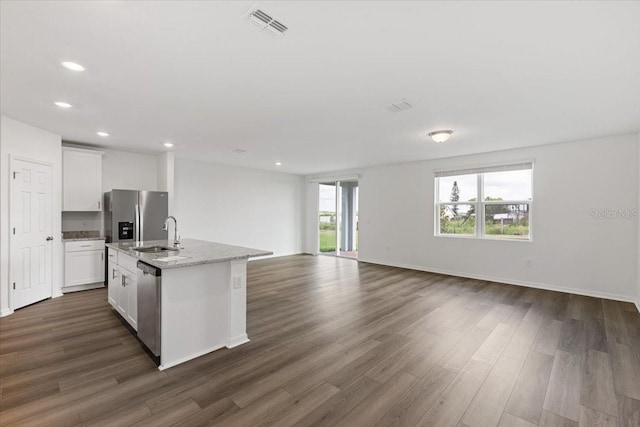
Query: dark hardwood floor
x,y
336,342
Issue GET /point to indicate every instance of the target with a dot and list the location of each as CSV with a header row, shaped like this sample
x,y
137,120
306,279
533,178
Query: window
x,y
491,202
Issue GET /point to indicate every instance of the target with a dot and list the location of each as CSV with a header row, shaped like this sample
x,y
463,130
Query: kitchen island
x,y
201,294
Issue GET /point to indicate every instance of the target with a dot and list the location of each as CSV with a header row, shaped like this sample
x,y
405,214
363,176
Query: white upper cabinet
x,y
81,180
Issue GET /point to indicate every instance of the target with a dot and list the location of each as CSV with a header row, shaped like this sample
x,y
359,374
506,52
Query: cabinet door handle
x,y
98,204
102,256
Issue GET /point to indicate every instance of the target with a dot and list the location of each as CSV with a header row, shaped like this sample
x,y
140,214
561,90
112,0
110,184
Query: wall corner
x,y
638,227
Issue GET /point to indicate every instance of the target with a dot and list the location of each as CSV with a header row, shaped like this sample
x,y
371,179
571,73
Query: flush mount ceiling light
x,y
440,135
266,22
168,144
73,66
62,104
102,134
278,163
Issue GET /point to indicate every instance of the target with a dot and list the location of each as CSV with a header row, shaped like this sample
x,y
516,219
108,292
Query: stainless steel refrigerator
x,y
132,215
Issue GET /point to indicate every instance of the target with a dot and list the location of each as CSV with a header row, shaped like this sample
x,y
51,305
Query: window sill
x,y
494,239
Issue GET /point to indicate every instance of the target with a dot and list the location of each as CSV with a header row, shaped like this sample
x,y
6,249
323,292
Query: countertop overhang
x,y
195,251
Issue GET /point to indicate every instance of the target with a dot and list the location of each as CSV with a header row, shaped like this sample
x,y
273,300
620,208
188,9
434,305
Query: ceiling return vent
x,y
396,107
266,22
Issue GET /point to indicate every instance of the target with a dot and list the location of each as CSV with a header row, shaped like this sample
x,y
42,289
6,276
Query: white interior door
x,y
31,233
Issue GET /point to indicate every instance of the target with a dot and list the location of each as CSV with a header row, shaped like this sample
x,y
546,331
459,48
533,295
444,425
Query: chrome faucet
x,y
165,227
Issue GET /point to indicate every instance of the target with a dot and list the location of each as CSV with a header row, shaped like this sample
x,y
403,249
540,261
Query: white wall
x,y
166,176
123,170
20,139
311,225
571,251
239,206
81,221
638,259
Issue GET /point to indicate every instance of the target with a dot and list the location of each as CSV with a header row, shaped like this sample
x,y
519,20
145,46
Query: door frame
x,y
338,210
12,159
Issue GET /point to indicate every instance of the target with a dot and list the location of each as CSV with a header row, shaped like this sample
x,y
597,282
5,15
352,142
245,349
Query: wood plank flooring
x,y
335,342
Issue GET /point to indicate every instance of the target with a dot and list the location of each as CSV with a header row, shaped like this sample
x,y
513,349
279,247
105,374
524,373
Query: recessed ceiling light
x,y
168,144
278,163
440,135
103,134
63,104
72,66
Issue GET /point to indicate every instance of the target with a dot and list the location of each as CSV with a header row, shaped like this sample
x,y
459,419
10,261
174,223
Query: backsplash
x,y
91,234
81,221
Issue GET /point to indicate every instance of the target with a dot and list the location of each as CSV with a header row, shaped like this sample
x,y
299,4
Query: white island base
x,y
202,295
202,309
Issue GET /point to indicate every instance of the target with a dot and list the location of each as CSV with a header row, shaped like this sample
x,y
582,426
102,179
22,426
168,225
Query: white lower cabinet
x,y
113,282
83,265
123,287
129,298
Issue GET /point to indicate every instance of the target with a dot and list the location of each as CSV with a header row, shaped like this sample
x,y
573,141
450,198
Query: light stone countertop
x,y
76,239
196,252
73,236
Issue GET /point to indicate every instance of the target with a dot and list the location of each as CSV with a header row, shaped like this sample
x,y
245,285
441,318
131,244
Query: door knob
x,y
49,238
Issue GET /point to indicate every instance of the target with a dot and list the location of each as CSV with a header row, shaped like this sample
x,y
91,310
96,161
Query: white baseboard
x,y
236,341
545,286
5,312
274,256
168,365
68,289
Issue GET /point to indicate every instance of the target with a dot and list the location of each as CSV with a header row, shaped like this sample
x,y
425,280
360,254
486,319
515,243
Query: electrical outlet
x,y
237,283
529,262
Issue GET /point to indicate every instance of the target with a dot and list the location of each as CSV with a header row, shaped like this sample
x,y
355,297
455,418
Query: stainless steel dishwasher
x,y
149,281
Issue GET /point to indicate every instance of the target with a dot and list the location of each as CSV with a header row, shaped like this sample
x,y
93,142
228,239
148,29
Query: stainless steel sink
x,y
155,249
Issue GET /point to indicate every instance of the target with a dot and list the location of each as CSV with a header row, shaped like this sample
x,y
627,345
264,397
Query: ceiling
x,y
500,74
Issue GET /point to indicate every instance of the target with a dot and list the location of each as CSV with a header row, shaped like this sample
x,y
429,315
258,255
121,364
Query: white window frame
x,y
480,203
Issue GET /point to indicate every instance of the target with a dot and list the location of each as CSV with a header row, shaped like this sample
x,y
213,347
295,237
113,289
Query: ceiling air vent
x,y
277,27
400,106
266,22
260,17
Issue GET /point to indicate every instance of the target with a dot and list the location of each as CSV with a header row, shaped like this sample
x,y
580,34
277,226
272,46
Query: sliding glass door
x,y
338,218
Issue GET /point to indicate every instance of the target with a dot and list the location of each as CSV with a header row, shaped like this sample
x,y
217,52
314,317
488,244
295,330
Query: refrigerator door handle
x,y
138,222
